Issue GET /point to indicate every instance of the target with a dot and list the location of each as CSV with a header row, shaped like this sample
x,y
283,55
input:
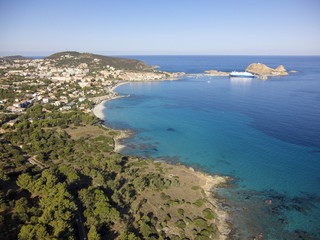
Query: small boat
x,y
241,74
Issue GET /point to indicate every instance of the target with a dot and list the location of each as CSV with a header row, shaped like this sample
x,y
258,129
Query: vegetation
x,y
59,181
88,58
208,213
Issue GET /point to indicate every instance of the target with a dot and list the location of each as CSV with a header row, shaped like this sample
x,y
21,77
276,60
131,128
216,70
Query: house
x,y
56,103
65,108
72,104
17,105
45,100
46,110
11,108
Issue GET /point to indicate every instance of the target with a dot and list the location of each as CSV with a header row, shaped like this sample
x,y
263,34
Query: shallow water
x,y
265,134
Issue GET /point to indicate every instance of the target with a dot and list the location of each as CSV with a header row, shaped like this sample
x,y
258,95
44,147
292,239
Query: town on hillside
x,y
64,82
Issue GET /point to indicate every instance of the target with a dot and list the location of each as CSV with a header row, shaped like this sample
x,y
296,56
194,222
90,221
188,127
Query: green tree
x,y
93,234
24,181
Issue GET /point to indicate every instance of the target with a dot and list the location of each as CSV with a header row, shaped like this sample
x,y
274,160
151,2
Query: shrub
x,y
167,217
163,196
205,232
146,230
174,237
188,220
173,202
163,224
175,183
195,187
180,224
199,202
181,211
208,214
200,222
211,229
201,237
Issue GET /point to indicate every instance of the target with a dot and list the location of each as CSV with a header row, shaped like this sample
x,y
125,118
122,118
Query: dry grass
x,y
183,195
87,131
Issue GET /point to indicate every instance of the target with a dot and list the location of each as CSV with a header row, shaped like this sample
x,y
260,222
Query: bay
x,y
264,134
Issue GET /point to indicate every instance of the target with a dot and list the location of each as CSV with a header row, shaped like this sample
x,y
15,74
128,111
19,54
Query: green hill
x,y
16,57
72,59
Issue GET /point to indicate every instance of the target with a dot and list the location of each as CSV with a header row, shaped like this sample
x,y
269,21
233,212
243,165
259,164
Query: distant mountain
x,y
72,58
16,57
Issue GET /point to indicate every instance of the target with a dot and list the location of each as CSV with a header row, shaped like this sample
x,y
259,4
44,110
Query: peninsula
x,y
60,174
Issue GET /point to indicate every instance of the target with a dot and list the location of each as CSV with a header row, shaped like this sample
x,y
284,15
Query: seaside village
x,y
48,81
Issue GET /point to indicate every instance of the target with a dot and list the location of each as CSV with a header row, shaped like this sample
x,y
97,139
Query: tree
x,y
93,234
24,181
128,236
26,232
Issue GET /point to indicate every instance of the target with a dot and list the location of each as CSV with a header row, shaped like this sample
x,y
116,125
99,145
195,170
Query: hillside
x,y
72,58
16,57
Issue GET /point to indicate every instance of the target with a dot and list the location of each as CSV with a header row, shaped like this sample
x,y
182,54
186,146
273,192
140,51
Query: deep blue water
x,y
264,134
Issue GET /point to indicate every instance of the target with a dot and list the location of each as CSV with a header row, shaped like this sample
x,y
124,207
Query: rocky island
x,y
260,70
263,72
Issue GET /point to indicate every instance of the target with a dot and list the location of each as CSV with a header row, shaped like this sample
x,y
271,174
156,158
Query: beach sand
x,y
98,109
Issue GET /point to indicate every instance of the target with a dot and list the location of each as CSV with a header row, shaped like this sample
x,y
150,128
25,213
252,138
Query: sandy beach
x,y
98,109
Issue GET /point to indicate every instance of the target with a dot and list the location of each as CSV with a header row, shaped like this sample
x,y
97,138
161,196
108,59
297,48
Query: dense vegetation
x,y
77,186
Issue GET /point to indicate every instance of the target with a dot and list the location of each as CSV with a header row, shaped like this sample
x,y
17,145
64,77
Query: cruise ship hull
x,y
241,74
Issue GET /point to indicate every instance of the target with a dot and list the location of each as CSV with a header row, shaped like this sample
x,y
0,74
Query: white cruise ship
x,y
241,74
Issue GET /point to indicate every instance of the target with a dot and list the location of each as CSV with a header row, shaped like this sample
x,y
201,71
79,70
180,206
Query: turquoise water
x,y
264,134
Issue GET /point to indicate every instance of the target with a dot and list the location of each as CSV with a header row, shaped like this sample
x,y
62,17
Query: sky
x,y
163,27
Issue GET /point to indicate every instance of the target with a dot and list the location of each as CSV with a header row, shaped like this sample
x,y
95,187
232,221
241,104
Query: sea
x,y
264,134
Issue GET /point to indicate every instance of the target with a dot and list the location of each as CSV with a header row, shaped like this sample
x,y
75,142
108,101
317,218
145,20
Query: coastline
x,y
98,109
206,181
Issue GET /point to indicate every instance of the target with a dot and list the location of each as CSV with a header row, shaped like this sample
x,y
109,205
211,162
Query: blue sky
x,y
231,27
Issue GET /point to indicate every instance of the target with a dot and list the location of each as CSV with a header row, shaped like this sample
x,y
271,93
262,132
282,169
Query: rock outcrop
x,y
217,73
280,69
259,68
263,71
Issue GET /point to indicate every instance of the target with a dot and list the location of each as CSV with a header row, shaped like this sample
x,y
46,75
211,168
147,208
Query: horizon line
x,y
180,54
